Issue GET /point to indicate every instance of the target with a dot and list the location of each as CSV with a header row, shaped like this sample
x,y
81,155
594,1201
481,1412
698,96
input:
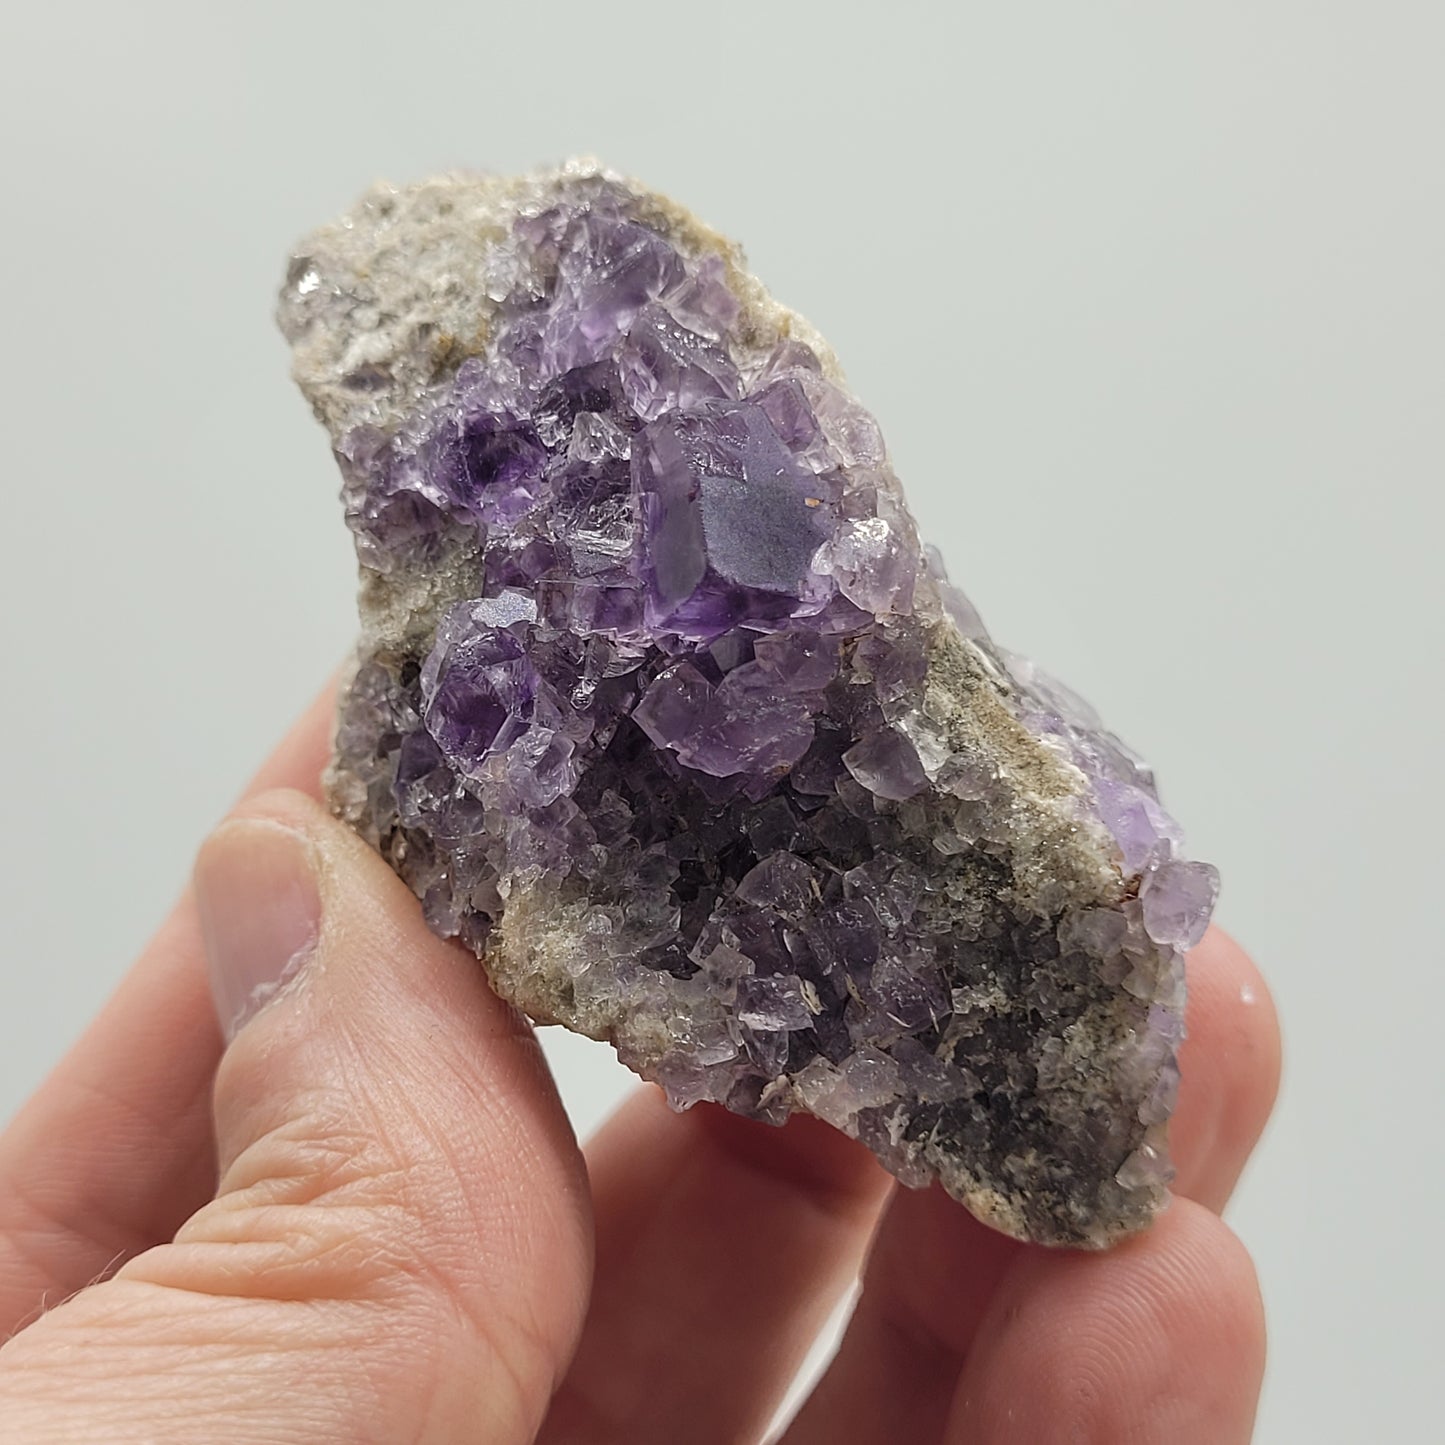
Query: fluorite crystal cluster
x,y
663,709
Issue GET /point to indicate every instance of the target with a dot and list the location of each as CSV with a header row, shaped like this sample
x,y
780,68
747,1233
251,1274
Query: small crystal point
x,y
663,708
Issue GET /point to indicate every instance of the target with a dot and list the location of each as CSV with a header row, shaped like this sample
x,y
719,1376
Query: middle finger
x,y
722,1246
933,1270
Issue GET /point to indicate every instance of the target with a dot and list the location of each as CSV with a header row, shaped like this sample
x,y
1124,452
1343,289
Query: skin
x,y
367,1219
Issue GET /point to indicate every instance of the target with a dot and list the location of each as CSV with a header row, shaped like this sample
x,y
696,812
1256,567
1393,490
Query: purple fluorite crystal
x,y
662,707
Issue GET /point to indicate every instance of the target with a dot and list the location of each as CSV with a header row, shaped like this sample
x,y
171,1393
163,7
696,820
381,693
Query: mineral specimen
x,y
663,709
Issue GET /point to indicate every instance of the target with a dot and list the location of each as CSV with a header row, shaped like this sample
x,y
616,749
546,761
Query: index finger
x,y
115,1149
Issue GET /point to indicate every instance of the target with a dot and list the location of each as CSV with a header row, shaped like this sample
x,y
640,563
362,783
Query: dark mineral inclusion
x,y
663,709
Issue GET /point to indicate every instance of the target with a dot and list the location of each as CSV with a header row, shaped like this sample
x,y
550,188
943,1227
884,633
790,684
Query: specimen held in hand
x,y
664,710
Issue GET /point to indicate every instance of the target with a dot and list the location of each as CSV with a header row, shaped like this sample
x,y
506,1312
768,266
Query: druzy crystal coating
x,y
664,710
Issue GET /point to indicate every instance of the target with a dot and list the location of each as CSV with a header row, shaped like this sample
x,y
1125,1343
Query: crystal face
x,y
664,710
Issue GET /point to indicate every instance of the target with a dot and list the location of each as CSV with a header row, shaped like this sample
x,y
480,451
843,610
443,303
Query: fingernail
x,y
260,914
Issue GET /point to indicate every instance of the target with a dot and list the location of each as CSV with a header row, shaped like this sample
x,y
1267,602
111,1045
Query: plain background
x,y
1148,298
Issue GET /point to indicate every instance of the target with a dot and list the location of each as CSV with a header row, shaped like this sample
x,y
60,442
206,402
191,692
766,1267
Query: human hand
x,y
405,1243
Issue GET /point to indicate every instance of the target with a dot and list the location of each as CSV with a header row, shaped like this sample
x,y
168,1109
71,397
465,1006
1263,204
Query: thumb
x,y
399,1247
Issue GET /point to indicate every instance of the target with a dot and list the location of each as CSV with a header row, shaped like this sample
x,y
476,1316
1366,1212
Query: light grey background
x,y
1148,298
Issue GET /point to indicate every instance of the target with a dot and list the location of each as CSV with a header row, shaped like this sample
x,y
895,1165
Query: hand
x,y
404,1245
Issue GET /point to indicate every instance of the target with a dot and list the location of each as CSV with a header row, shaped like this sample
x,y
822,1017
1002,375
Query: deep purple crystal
x,y
479,690
730,522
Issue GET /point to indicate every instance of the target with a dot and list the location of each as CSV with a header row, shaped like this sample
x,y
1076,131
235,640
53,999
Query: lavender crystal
x,y
663,709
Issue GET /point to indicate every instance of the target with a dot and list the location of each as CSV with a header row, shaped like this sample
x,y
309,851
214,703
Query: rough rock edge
x,y
397,288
